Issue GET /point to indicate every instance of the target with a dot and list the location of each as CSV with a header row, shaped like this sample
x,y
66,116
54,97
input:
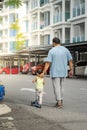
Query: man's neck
x,y
54,45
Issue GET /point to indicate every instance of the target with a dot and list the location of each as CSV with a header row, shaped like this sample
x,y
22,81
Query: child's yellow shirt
x,y
39,83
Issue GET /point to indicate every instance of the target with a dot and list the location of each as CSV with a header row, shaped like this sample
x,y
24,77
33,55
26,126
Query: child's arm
x,y
34,80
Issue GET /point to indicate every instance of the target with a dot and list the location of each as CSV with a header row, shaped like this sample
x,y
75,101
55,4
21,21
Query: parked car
x,y
13,70
27,67
34,69
81,68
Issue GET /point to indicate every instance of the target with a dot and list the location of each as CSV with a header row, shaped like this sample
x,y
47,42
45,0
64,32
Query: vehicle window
x,y
14,66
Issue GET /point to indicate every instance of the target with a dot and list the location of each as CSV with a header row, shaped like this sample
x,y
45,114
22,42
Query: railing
x,y
79,10
67,41
44,25
79,38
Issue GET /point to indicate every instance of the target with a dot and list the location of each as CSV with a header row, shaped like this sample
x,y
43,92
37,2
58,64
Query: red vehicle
x,y
27,67
34,69
13,70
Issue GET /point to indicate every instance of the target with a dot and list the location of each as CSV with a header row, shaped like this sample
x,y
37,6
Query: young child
x,y
39,90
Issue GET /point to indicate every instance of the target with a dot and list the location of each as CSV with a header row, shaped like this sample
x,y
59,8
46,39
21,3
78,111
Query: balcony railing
x,y
79,10
79,38
67,41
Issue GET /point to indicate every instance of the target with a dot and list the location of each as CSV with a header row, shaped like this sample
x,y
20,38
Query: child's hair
x,y
39,71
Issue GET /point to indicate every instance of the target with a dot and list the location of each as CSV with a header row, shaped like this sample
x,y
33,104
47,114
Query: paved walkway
x,y
23,117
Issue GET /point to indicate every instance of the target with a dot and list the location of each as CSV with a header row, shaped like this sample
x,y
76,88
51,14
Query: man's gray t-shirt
x,y
59,57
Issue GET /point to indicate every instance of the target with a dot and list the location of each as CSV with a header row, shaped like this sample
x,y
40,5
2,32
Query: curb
x,y
4,109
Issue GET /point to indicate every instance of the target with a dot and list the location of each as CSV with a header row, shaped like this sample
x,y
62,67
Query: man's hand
x,y
71,69
47,65
42,74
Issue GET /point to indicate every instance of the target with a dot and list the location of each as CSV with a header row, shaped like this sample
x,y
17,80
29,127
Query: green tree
x,y
20,41
16,3
15,25
19,38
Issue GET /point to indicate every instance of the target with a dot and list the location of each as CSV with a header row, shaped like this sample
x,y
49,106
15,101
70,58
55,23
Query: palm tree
x,y
15,25
20,41
20,38
16,3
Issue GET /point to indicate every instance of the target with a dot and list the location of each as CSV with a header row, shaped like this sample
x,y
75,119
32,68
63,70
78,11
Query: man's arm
x,y
71,68
47,65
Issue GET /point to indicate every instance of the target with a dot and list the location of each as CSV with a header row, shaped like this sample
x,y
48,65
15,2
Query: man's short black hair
x,y
56,40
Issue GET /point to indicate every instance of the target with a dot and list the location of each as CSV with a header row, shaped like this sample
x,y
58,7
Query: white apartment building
x,y
41,20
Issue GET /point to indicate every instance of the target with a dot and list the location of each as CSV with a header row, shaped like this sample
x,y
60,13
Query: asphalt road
x,y
20,92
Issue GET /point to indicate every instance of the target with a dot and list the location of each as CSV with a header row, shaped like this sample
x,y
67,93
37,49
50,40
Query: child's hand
x,y
32,81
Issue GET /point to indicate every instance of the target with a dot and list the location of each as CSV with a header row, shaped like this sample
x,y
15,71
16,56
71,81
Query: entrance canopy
x,y
80,47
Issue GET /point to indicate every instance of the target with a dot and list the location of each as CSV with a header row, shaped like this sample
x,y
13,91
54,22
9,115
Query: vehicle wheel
x,y
3,72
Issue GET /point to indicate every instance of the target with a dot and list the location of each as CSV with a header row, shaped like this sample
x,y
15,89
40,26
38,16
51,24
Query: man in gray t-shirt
x,y
58,59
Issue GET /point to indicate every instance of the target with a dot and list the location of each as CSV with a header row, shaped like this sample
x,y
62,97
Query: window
x,y
6,45
26,44
34,4
0,33
27,6
12,46
26,26
12,7
12,17
47,39
47,18
12,33
1,47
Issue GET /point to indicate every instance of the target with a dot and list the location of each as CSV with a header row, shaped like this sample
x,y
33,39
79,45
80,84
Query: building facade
x,y
41,20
